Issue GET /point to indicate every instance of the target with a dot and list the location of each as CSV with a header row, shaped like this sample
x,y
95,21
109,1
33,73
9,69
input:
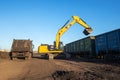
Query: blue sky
x,y
39,20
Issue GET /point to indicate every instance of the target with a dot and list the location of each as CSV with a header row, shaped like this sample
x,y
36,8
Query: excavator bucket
x,y
87,31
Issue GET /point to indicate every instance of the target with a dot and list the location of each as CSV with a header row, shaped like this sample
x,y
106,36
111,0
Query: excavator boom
x,y
62,30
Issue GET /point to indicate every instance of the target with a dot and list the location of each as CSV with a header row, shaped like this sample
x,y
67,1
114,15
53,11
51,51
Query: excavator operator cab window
x,y
51,47
61,46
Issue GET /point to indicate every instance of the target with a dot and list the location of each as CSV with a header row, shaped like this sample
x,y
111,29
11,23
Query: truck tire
x,y
30,56
13,56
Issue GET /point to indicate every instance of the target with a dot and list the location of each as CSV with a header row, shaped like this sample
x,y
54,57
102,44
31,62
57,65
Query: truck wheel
x,y
13,56
29,56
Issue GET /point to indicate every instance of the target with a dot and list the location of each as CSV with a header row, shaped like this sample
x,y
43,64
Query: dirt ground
x,y
41,69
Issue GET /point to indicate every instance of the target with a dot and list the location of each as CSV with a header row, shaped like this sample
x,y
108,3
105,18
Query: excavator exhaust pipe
x,y
87,31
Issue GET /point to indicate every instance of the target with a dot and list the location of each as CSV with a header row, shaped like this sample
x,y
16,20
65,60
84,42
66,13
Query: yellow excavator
x,y
57,48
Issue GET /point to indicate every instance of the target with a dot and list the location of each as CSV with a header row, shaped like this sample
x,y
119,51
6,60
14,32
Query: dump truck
x,y
57,48
21,49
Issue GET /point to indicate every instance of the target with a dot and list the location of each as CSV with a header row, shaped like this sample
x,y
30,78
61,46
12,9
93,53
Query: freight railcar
x,y
103,46
84,47
108,45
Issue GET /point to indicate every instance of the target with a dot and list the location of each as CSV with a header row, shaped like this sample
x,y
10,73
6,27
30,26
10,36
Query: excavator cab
x,y
51,47
60,46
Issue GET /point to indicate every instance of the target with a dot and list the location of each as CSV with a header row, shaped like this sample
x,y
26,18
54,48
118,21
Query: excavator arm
x,y
62,30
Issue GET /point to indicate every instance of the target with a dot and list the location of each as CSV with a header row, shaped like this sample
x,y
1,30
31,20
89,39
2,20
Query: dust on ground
x,y
41,69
